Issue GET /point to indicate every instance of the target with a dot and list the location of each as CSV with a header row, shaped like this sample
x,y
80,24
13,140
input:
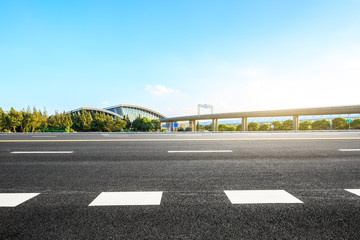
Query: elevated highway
x,y
296,112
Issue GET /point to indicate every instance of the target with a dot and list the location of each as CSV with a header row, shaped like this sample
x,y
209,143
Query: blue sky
x,y
171,55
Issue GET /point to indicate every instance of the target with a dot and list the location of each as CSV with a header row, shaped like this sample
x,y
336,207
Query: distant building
x,y
123,110
134,111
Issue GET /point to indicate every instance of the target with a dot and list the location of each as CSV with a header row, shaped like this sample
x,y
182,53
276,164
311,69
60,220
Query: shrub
x,y
321,124
253,126
264,127
340,123
306,125
287,125
355,124
277,125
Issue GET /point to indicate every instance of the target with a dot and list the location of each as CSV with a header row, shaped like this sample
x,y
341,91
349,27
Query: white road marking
x,y
43,136
333,133
202,151
260,196
189,135
349,150
14,199
354,191
127,199
105,135
41,152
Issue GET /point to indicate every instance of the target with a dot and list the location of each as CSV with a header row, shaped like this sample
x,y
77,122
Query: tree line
x,y
34,120
324,124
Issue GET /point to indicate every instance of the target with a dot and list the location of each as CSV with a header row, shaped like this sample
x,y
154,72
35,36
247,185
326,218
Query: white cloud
x,y
159,90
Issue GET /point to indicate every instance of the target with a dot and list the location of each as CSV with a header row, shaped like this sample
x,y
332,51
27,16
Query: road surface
x,y
180,186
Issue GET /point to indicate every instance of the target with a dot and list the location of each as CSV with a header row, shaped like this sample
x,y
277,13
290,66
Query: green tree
x,y
137,123
26,119
264,127
305,125
76,121
108,123
238,127
287,125
36,119
53,121
321,124
222,127
118,125
340,123
100,123
59,121
14,119
2,120
142,124
253,126
44,119
277,125
85,120
208,127
147,124
355,124
156,124
231,128
67,122
128,122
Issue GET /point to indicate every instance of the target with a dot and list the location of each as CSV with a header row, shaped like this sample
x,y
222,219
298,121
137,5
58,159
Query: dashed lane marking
x,y
176,140
154,198
127,199
43,136
202,151
260,196
15,199
42,152
349,150
354,191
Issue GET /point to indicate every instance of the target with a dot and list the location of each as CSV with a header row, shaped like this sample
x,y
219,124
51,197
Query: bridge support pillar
x,y
215,125
296,123
244,124
193,125
172,127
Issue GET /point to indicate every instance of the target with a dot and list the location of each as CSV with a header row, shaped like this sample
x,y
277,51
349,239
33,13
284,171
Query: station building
x,y
122,110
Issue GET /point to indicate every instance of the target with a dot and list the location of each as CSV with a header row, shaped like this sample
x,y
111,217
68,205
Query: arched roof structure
x,y
98,110
134,111
122,110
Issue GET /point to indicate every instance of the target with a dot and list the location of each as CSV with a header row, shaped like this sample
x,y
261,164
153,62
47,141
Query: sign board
x,y
349,120
272,126
176,124
206,106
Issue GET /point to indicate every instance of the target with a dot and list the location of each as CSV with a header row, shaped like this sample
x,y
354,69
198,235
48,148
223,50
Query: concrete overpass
x,y
268,113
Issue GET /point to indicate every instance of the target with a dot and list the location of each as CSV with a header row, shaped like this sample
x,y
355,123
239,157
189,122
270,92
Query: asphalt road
x,y
308,166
